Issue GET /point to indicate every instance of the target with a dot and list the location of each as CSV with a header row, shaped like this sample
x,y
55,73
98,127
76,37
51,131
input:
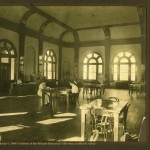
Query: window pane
x,y
49,67
132,59
53,75
40,57
133,72
115,76
44,69
49,75
96,55
85,60
92,71
12,52
48,52
49,59
124,60
115,68
5,60
116,60
51,53
84,68
89,55
100,60
45,57
5,52
12,68
120,54
115,72
53,59
99,68
84,75
92,61
127,54
124,72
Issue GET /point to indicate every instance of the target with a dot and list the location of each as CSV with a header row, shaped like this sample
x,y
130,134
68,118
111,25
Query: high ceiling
x,y
90,16
91,23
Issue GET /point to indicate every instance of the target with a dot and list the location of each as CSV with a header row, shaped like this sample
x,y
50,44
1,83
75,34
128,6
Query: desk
x,y
96,87
138,88
56,92
114,109
49,92
64,91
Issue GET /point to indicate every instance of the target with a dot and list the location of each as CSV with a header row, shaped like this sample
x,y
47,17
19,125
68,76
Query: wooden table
x,y
96,88
64,91
138,88
56,92
115,109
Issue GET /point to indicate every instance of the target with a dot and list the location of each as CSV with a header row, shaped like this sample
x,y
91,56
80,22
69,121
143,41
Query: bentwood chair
x,y
141,137
123,117
101,122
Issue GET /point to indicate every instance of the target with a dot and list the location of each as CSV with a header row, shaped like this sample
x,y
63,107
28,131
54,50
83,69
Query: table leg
x,y
83,117
67,100
116,125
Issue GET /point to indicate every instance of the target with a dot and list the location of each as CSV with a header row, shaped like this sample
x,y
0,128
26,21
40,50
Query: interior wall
x,y
134,49
67,63
30,57
83,51
55,48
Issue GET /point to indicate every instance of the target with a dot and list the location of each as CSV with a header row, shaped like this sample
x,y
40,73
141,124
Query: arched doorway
x,y
7,64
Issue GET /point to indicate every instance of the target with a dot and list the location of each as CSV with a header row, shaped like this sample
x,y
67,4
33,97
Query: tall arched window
x,y
50,64
7,60
124,67
92,66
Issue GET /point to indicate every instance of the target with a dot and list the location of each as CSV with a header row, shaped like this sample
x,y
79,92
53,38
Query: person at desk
x,y
39,93
74,93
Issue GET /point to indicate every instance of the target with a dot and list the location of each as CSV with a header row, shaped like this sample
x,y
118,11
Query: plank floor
x,y
65,125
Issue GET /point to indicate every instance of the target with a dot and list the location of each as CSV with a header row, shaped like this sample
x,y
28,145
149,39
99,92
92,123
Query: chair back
x,y
100,114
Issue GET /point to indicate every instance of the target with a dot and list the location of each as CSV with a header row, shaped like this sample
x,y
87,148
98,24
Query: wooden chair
x,y
129,137
101,122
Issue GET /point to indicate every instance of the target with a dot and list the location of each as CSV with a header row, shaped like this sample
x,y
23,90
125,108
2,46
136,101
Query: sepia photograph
x,y
73,74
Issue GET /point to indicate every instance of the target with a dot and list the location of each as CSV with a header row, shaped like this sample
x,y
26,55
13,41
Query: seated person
x,y
74,91
39,92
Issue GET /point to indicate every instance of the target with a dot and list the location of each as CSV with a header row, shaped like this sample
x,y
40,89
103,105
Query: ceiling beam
x,y
103,26
42,13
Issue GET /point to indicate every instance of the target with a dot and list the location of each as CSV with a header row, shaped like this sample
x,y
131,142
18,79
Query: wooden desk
x,y
50,93
64,91
56,92
138,88
115,109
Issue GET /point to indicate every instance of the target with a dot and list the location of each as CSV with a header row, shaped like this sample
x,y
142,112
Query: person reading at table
x,y
43,86
74,92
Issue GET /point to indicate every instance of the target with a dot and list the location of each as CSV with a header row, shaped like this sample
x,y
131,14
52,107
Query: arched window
x,y
50,65
124,67
7,60
92,66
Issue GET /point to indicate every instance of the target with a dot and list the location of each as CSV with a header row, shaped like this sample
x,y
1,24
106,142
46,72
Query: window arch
x,y
92,66
50,64
7,59
124,67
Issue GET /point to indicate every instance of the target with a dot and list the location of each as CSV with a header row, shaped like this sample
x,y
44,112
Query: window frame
x,y
87,65
46,62
129,63
6,45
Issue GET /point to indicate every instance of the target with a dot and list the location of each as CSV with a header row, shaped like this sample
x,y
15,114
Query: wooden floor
x,y
65,125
